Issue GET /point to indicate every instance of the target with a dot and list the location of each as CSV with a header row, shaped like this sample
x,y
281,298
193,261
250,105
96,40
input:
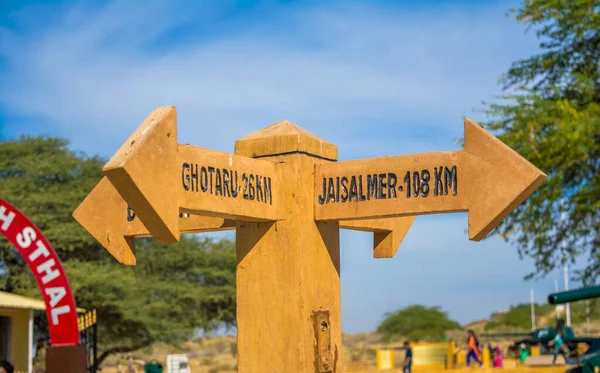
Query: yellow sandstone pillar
x,y
450,357
486,357
288,271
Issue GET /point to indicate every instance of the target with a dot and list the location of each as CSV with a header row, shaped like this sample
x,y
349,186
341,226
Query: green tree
x,y
579,311
551,116
517,317
172,292
416,323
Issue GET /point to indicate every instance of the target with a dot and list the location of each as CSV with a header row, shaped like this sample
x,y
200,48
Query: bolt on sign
x,y
286,196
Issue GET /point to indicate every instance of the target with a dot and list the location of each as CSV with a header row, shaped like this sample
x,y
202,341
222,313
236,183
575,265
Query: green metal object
x,y
543,335
590,362
574,295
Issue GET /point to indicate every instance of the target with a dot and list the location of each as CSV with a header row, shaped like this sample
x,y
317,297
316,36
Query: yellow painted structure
x,y
385,360
16,315
17,325
511,367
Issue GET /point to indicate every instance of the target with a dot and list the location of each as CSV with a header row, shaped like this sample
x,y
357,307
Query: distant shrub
x,y
221,347
371,353
208,361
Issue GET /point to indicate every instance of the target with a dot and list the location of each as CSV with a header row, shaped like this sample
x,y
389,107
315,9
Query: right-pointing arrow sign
x,y
487,179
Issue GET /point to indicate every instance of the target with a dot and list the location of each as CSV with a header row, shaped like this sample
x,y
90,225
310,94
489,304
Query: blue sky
x,y
373,77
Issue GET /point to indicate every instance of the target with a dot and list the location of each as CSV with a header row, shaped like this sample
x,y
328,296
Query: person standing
x,y
6,367
523,352
121,363
559,343
408,358
497,357
473,348
130,366
153,367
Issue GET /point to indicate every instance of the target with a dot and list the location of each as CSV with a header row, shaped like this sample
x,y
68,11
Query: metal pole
x,y
531,298
587,316
556,291
563,218
95,339
568,305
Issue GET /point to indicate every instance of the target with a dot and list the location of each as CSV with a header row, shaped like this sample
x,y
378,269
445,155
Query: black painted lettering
x,y
226,183
371,186
218,184
323,195
259,191
268,191
450,180
353,191
416,184
337,189
235,188
245,182
194,177
344,187
407,183
392,180
251,193
381,185
361,193
130,214
203,179
438,187
211,170
330,191
185,177
425,177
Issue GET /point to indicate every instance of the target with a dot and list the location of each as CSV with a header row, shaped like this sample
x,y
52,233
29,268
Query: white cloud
x,y
331,69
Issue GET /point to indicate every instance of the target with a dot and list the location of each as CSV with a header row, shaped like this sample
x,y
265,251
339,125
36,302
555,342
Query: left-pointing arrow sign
x,y
106,216
160,178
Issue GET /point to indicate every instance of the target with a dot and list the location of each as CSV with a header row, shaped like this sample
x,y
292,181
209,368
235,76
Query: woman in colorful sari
x,y
473,348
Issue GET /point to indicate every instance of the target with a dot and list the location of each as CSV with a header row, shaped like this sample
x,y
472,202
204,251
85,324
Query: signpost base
x,y
66,359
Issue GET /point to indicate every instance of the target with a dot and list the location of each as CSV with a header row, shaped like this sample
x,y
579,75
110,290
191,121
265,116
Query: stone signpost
x,y
286,196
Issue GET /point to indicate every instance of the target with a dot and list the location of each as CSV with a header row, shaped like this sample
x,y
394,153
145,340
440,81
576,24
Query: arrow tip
x,y
97,214
144,172
505,180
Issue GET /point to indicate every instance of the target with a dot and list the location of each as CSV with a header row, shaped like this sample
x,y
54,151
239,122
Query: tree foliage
x,y
417,323
551,116
518,317
172,292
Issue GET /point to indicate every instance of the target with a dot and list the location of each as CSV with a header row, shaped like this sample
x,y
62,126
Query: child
x,y
6,367
497,357
407,358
